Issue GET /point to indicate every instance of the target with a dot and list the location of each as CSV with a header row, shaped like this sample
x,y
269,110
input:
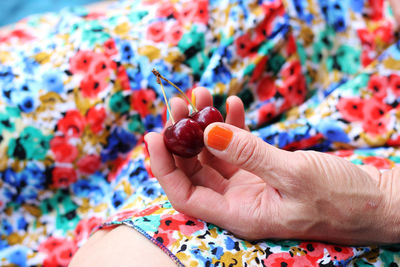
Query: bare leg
x,y
121,246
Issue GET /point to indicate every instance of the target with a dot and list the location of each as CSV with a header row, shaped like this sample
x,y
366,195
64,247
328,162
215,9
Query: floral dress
x,y
77,96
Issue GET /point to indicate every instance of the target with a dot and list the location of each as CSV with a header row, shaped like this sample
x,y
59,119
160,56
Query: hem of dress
x,y
141,231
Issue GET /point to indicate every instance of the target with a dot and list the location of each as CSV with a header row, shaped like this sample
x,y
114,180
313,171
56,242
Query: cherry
x,y
207,116
184,138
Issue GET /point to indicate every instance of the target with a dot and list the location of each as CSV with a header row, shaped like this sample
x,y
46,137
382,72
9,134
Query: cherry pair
x,y
185,137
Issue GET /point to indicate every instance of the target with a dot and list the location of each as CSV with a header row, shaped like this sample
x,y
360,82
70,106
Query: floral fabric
x,y
78,95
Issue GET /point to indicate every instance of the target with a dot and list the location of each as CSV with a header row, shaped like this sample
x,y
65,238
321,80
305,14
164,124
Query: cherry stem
x,y
176,87
165,97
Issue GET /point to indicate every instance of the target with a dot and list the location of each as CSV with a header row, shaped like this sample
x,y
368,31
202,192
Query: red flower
x,y
266,113
110,49
285,259
374,109
194,11
339,253
376,126
123,78
294,90
378,162
315,250
394,82
50,244
100,67
81,61
63,152
142,101
351,109
63,254
91,86
376,9
156,31
63,177
166,9
89,164
72,125
378,86
164,238
95,118
85,228
293,69
259,69
344,153
244,45
367,56
174,34
19,34
384,32
266,88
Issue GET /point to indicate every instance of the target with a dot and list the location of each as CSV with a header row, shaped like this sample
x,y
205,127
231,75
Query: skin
x,y
283,207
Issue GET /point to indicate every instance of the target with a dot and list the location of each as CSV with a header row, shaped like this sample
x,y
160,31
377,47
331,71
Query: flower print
x,y
100,67
266,113
142,101
126,51
348,59
266,88
31,144
340,253
166,10
52,81
110,48
376,126
165,238
394,83
315,250
91,86
95,118
63,176
374,109
50,244
118,198
156,31
153,122
16,255
81,61
333,131
201,14
376,9
72,125
123,78
85,227
89,164
244,45
6,74
119,141
291,69
378,86
135,77
120,102
61,255
378,162
62,150
285,259
351,109
174,34
294,90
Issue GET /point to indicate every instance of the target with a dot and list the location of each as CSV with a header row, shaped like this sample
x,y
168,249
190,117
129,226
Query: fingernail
x,y
219,138
193,97
145,146
227,107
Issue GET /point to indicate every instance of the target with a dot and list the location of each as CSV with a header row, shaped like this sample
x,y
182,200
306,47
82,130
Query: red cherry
x,y
207,116
184,138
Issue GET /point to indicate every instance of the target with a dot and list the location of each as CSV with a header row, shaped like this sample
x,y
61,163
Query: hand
x,y
257,191
396,9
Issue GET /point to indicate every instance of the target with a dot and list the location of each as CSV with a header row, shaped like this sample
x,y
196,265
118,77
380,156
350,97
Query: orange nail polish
x,y
227,107
193,97
219,138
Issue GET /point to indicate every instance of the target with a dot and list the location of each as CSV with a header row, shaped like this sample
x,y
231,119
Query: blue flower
x,y
333,131
182,80
118,198
6,74
52,81
5,228
153,123
120,141
95,188
30,65
126,51
135,77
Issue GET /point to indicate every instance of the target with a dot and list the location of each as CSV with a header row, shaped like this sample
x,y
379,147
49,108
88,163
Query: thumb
x,y
243,149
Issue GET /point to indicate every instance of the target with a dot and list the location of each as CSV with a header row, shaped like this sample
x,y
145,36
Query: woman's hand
x,y
257,191
396,9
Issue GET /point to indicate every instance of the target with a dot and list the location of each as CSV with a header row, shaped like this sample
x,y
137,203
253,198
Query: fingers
x,y
241,148
201,98
183,195
235,112
396,9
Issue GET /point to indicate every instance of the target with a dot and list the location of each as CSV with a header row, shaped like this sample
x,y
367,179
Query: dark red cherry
x,y
207,116
184,138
